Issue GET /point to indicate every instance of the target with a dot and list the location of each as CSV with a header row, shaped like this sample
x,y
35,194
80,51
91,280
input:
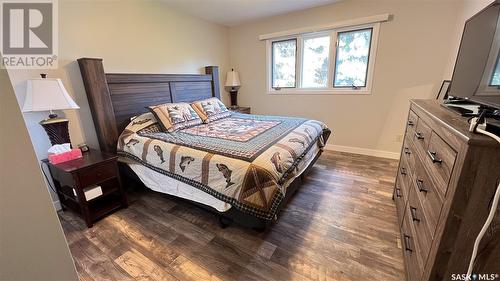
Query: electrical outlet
x,y
399,138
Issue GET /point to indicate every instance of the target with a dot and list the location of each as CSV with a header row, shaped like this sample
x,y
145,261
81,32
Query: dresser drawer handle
x,y
419,136
407,243
413,212
407,151
403,171
432,155
398,192
420,185
410,123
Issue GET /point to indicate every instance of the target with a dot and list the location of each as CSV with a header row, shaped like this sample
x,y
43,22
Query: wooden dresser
x,y
446,180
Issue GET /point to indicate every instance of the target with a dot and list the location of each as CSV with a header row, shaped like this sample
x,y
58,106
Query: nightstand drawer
x,y
96,167
97,174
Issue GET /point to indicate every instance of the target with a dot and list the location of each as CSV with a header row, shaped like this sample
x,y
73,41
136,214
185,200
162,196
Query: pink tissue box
x,y
75,153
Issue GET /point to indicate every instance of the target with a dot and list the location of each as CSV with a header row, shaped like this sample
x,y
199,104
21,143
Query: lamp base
x,y
234,98
56,129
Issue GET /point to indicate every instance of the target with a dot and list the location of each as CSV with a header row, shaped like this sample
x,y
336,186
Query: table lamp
x,y
233,83
49,94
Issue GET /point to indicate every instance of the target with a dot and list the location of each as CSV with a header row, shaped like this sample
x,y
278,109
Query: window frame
x,y
330,89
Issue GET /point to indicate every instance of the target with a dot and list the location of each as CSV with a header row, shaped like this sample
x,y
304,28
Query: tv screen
x,y
477,69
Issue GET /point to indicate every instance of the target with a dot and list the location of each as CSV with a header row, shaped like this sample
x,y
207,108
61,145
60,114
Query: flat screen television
x,y
476,76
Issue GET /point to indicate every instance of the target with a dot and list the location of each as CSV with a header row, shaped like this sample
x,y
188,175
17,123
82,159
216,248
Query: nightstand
x,y
240,109
73,178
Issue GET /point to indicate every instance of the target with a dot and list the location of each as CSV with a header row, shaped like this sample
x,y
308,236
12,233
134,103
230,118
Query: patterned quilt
x,y
244,160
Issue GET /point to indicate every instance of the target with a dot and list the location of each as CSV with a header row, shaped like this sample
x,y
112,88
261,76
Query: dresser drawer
x,y
428,196
408,153
410,251
411,124
419,222
94,176
440,159
401,197
422,135
403,175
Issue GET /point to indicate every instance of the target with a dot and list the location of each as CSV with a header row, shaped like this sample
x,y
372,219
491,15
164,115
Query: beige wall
x,y
32,244
131,36
413,52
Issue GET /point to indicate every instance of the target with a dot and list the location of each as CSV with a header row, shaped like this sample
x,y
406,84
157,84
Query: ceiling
x,y
234,12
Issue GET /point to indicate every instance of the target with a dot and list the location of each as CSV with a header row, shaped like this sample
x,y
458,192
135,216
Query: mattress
x,y
246,161
162,183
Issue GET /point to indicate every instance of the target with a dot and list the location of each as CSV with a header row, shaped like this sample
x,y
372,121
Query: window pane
x,y
353,52
495,77
284,53
315,62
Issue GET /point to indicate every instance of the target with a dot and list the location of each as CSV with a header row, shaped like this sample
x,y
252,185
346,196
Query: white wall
x,y
131,36
413,52
32,244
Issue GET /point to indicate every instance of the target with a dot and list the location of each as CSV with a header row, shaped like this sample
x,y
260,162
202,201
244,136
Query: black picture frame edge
x,y
441,88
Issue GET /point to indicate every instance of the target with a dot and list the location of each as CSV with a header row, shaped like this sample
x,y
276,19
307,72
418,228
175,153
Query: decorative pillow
x,y
175,116
211,109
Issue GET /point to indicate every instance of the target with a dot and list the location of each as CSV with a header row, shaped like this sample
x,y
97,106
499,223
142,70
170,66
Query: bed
x,y
243,167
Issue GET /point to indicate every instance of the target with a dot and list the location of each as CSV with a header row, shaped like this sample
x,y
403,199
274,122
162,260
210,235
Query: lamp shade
x,y
45,94
232,79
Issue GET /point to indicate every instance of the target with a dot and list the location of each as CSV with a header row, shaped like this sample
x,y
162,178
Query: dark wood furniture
x,y
446,180
114,98
241,109
94,168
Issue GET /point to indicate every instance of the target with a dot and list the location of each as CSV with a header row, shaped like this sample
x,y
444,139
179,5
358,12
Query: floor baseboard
x,y
362,151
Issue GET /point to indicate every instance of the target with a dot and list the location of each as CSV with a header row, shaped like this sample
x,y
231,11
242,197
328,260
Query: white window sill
x,y
319,92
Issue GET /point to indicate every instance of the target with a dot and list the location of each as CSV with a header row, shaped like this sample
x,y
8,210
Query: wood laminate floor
x,y
341,225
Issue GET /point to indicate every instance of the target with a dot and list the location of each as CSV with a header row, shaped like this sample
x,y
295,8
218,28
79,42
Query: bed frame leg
x,y
224,222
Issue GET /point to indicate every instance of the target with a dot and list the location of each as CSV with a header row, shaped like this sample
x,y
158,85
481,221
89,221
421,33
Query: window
x,y
351,62
330,61
315,62
284,63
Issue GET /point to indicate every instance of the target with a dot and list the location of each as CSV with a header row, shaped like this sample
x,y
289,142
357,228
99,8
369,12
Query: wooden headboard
x,y
114,98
